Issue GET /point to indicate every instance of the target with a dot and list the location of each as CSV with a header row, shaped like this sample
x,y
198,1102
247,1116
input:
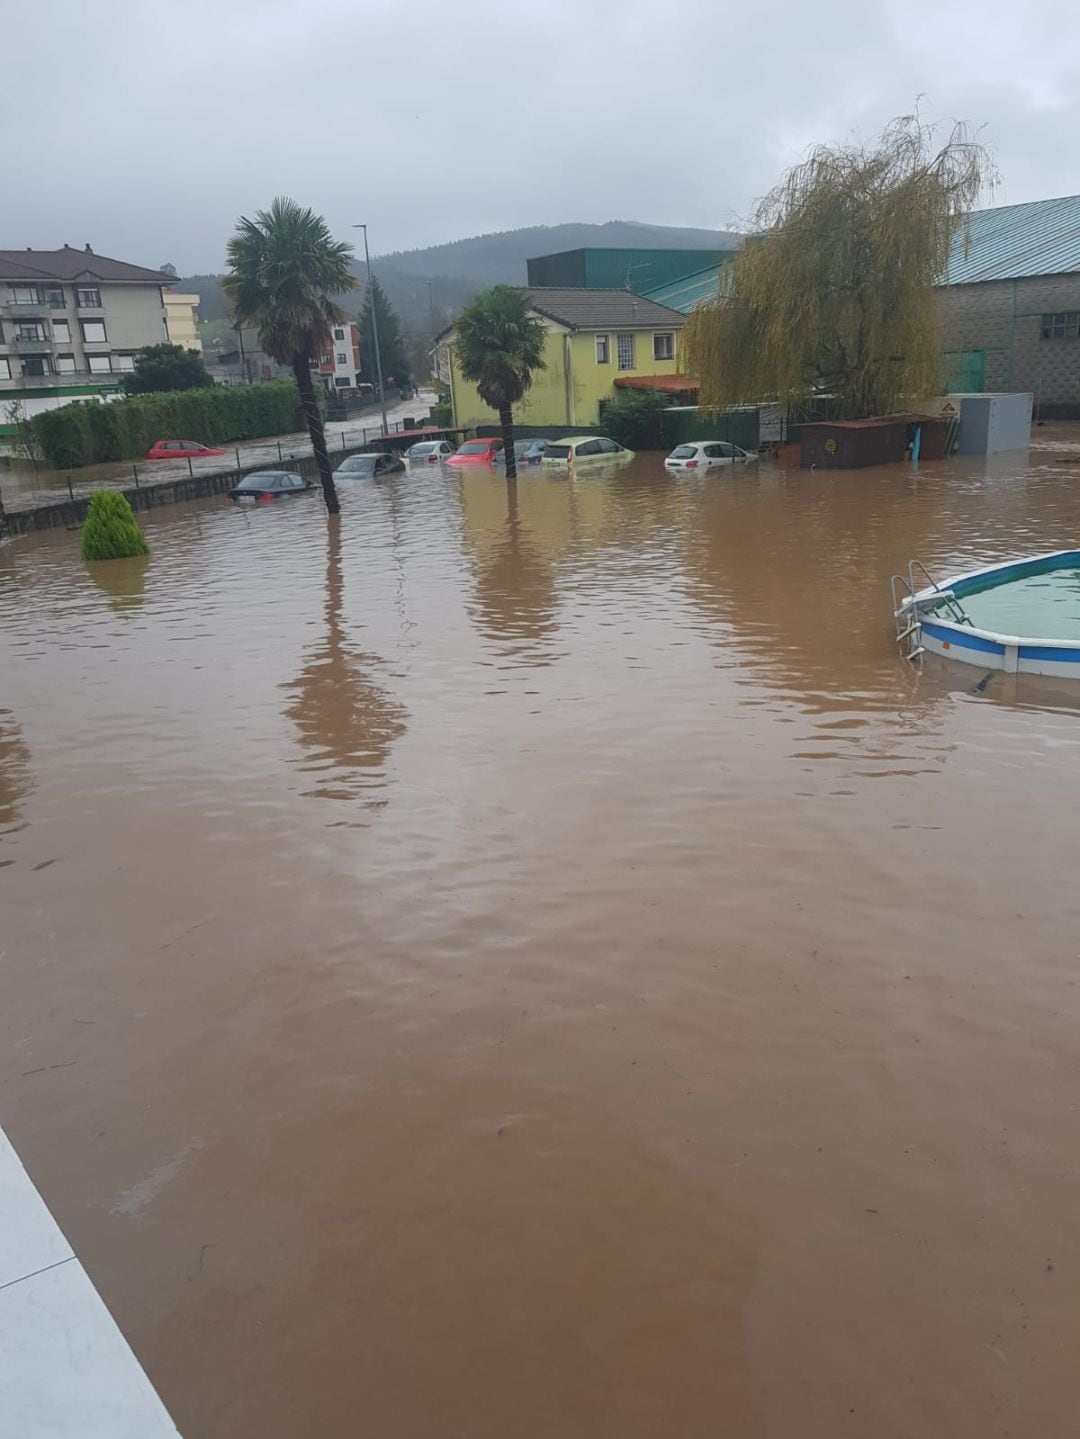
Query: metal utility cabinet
x,y
991,424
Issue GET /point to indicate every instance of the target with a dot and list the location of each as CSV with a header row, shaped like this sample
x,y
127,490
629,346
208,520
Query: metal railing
x,y
56,486
57,379
44,301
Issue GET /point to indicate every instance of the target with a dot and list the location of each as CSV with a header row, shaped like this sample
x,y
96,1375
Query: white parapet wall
x,y
65,1368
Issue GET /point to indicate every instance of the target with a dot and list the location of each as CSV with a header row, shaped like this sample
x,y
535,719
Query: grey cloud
x,y
433,121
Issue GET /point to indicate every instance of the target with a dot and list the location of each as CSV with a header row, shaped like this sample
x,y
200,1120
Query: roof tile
x,y
581,309
72,264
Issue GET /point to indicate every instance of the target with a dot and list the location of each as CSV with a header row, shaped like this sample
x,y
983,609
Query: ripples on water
x,y
432,878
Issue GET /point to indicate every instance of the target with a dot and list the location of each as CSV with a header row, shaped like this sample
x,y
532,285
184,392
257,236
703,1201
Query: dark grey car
x,y
269,485
365,467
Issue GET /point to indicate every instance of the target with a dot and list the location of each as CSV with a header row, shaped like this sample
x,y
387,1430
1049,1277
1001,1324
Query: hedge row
x,y
90,432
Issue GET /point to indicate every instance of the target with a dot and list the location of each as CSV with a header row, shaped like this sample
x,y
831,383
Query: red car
x,y
179,450
477,452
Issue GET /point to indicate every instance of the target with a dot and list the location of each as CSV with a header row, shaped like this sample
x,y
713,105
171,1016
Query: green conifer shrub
x,y
110,531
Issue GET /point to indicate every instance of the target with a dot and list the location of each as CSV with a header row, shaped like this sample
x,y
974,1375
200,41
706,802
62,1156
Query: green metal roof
x,y
1014,241
687,291
1009,242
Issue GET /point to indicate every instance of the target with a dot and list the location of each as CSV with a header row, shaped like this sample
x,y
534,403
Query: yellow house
x,y
594,337
182,319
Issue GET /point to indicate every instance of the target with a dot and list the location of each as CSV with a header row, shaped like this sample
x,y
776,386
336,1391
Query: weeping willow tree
x,y
833,294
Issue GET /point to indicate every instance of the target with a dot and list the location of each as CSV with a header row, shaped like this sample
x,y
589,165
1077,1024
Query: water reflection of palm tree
x,y
347,722
14,780
515,583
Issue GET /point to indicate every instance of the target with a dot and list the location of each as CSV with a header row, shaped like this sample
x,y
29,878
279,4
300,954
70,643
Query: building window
x,y
88,299
339,334
93,331
663,347
99,364
30,330
36,365
625,348
324,359
603,350
343,382
65,364
125,362
5,368
1063,325
342,358
25,295
55,299
61,332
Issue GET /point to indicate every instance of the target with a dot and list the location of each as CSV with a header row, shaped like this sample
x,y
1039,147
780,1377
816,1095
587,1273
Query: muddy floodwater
x,y
537,963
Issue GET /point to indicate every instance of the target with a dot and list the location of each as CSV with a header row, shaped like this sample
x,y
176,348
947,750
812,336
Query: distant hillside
x,y
460,269
487,259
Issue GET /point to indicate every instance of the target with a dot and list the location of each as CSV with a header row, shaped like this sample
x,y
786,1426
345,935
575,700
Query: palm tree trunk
x,y
313,417
506,419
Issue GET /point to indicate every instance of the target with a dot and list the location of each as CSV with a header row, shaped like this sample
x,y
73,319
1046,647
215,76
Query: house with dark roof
x,y
71,323
1010,303
594,339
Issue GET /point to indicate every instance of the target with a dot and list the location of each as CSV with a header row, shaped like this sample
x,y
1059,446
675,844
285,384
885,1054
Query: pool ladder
x,y
906,613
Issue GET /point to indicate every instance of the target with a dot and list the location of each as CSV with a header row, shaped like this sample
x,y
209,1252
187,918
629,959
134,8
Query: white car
x,y
584,449
706,455
429,452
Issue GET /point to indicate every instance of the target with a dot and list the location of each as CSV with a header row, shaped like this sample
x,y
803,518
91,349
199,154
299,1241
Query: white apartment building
x,y
72,322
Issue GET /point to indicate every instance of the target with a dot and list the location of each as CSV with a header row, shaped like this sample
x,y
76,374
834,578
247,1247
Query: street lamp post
x,y
375,331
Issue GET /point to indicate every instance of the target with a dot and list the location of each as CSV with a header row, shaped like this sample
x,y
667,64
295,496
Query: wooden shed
x,y
885,440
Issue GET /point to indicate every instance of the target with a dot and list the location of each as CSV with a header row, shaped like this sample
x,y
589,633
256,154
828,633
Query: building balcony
x,y
31,307
29,345
70,378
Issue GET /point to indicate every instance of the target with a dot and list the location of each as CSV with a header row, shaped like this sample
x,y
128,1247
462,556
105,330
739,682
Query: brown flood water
x,y
542,965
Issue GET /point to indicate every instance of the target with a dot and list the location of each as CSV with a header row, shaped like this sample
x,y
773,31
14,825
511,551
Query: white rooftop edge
x,y
66,1371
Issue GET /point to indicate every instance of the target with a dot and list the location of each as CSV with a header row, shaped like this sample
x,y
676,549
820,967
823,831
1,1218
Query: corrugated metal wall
x,y
619,269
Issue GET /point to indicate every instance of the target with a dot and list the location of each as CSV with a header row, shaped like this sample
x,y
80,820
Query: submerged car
x,y
531,451
706,455
429,452
179,450
477,452
363,467
268,485
584,449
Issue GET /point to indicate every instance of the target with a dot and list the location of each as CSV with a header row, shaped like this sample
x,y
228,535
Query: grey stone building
x,y
1010,310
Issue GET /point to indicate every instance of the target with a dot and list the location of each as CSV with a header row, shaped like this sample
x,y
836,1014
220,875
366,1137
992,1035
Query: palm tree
x,y
284,266
500,342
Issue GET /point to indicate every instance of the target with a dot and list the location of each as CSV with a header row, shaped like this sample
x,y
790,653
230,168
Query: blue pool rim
x,y
1015,654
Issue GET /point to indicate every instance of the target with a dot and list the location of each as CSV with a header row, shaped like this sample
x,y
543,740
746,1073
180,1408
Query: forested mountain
x,y
460,269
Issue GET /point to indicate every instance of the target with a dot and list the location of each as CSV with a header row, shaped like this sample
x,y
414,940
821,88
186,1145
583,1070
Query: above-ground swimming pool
x,y
1022,617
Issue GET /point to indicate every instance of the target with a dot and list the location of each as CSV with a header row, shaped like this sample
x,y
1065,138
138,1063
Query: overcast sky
x,y
145,128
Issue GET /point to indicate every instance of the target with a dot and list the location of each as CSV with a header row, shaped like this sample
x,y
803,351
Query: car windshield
x,y
266,480
557,452
422,449
683,452
359,464
474,447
